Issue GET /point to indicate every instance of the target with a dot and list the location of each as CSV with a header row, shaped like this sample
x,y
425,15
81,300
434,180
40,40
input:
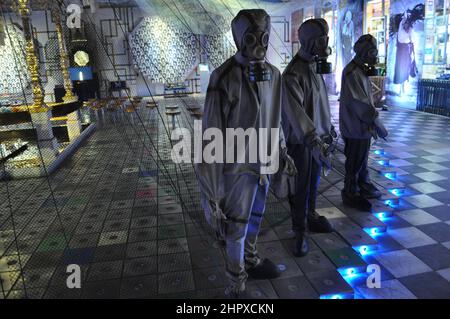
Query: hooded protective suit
x,y
357,111
306,117
241,95
358,121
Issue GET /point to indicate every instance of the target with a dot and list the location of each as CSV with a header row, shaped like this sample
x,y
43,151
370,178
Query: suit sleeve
x,y
361,104
210,175
293,99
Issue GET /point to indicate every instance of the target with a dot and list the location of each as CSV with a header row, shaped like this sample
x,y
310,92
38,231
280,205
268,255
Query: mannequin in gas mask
x,y
244,92
307,126
359,122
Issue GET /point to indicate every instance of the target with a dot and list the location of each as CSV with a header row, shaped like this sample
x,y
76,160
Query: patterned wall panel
x,y
13,63
219,47
163,50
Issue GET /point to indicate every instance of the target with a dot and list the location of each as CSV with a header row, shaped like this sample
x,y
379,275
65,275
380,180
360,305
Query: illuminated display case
x,y
377,24
330,15
437,42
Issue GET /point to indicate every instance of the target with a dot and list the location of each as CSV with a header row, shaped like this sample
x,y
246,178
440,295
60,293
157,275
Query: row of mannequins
x,y
247,91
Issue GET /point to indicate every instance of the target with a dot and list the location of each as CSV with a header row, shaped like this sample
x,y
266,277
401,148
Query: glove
x,y
319,154
312,140
333,132
290,168
283,183
329,142
379,104
380,129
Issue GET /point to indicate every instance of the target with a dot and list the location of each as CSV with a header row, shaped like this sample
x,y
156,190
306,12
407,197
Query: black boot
x,y
355,200
368,190
266,269
301,247
319,224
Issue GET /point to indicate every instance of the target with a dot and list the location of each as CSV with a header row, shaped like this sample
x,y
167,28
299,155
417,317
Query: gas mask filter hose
x,y
258,71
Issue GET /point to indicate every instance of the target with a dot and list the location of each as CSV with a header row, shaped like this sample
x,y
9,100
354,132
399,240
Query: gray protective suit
x,y
356,108
234,194
358,118
306,120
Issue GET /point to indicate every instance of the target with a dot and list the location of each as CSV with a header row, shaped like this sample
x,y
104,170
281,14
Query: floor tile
x,y
445,273
402,263
423,201
417,217
390,289
430,176
410,237
427,188
427,286
438,231
436,256
294,288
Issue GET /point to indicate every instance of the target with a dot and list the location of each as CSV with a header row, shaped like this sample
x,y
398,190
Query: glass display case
x,y
330,15
377,24
437,42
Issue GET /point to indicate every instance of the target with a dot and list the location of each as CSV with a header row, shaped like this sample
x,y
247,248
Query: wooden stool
x,y
151,105
173,113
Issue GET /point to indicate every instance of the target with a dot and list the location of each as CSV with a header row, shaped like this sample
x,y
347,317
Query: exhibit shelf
x,y
37,169
4,156
20,114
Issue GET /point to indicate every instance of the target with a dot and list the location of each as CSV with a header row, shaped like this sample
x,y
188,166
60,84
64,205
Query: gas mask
x,y
321,53
367,54
313,36
251,31
371,61
255,48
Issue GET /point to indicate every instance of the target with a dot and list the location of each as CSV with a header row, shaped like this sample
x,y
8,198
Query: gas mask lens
x,y
249,40
265,39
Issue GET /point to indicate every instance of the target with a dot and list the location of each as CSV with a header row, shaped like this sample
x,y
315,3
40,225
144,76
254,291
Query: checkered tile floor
x,y
131,219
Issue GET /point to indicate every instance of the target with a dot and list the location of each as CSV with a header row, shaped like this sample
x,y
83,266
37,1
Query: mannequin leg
x,y
237,206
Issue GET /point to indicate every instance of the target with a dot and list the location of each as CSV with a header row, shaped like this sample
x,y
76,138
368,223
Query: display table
x,y
19,114
433,96
175,90
48,138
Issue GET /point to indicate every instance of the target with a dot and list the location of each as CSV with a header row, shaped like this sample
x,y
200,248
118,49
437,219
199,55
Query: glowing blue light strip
x,y
392,202
374,231
383,215
390,175
383,162
364,249
350,271
397,191
334,296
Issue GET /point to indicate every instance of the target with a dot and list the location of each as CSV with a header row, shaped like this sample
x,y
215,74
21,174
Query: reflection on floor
x,y
131,219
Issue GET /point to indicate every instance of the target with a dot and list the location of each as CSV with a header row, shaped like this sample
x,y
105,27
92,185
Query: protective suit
x,y
359,122
244,92
307,124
